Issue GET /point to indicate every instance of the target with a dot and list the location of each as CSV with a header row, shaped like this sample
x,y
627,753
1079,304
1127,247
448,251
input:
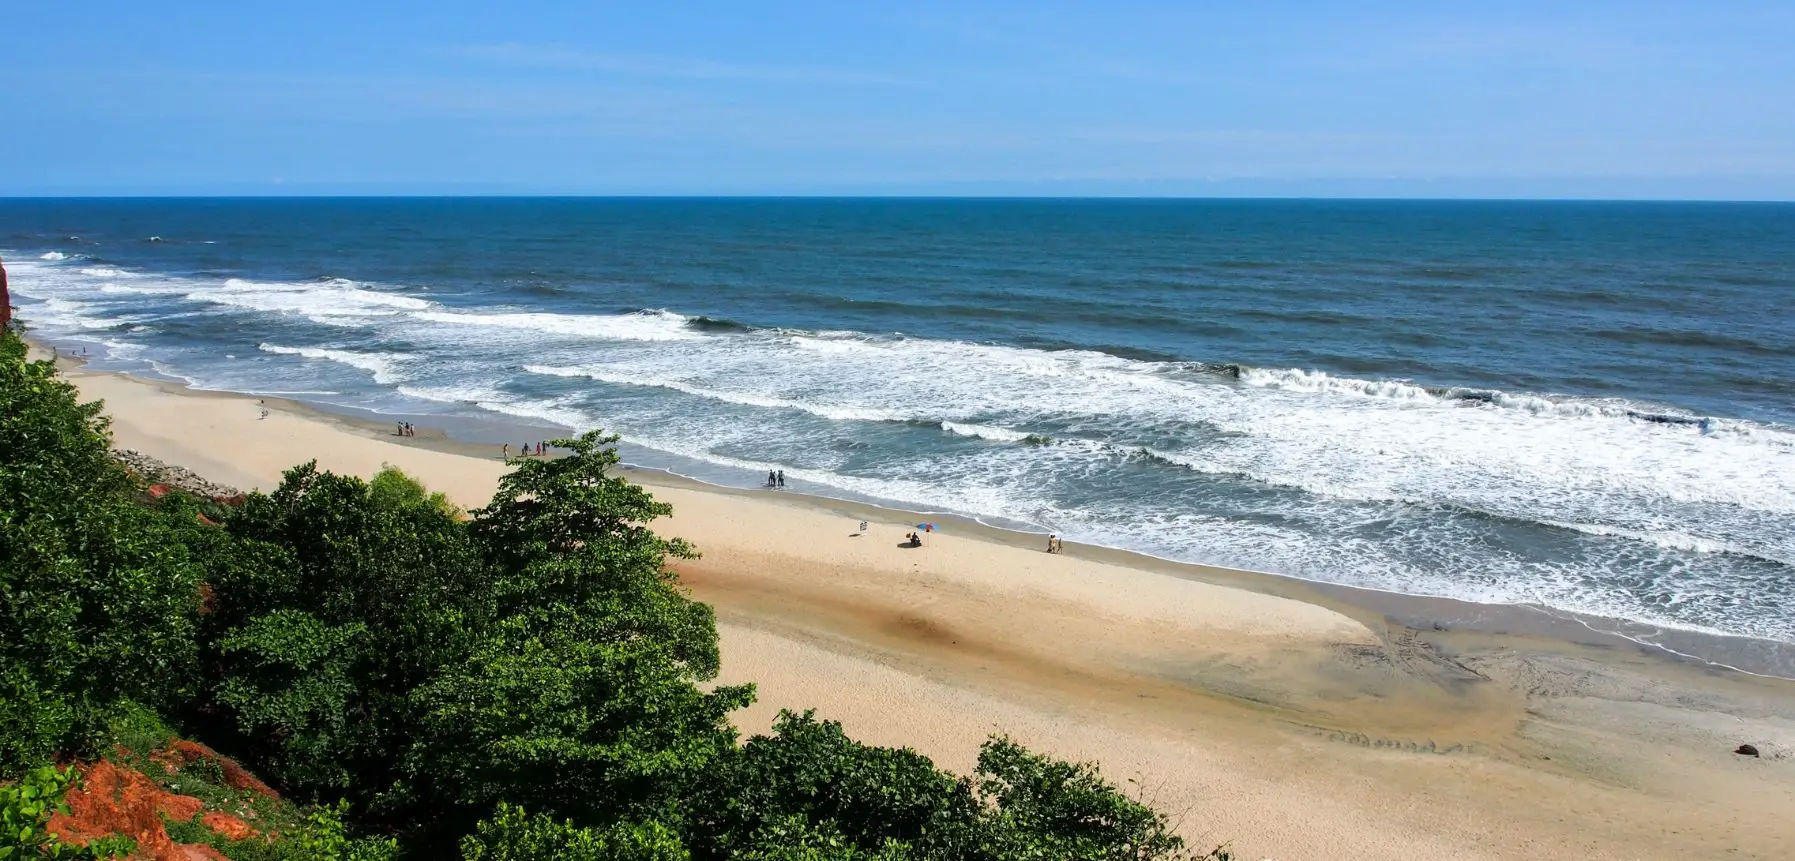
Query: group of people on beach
x,y
526,450
405,429
1054,545
776,479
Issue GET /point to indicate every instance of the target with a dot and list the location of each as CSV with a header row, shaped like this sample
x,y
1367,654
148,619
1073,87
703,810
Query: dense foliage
x,y
25,809
526,680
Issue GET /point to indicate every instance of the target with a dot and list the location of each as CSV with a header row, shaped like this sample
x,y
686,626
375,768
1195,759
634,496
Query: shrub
x,y
25,810
514,835
97,594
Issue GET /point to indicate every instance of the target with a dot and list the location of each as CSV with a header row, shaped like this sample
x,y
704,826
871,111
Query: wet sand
x,y
1292,720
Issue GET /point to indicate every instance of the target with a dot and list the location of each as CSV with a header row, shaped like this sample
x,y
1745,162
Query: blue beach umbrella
x,y
927,527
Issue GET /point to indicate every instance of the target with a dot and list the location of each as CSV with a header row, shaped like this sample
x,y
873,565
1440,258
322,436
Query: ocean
x,y
1587,408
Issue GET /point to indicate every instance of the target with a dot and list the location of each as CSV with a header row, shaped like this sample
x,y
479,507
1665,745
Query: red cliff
x,y
5,297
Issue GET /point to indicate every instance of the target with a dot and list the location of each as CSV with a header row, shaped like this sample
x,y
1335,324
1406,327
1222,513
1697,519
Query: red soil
x,y
228,825
115,800
182,752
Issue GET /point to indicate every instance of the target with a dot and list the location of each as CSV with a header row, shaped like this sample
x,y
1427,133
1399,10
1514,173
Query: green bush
x,y
367,641
97,593
26,807
514,835
392,488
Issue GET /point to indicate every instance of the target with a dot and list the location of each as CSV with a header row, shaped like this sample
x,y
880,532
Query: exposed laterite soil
x,y
112,799
181,753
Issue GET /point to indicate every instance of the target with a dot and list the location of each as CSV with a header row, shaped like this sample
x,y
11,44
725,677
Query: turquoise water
x,y
1585,407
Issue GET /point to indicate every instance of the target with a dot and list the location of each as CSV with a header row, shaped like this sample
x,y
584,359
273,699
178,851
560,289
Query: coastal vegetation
x,y
525,680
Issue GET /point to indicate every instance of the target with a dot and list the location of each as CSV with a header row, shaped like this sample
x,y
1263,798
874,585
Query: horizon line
x,y
475,195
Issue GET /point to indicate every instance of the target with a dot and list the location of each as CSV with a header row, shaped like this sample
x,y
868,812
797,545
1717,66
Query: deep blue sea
x,y
1581,406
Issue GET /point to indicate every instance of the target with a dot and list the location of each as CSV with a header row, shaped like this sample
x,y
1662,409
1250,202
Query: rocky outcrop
x,y
163,476
5,298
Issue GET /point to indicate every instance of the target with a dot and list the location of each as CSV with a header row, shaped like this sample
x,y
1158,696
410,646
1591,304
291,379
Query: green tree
x,y
563,531
335,603
514,835
97,596
393,488
552,711
1040,807
810,778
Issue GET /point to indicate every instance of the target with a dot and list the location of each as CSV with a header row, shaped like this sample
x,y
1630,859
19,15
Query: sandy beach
x,y
1258,712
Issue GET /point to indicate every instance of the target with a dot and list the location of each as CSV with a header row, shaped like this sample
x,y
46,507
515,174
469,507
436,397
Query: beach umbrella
x,y
927,527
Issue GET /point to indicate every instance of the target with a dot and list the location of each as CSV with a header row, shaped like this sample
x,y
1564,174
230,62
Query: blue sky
x,y
1588,99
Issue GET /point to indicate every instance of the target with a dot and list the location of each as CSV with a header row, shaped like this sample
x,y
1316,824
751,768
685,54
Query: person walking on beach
x,y
772,479
782,479
505,451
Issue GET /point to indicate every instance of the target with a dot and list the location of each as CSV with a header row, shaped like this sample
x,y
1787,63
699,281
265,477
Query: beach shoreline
x,y
484,437
1296,719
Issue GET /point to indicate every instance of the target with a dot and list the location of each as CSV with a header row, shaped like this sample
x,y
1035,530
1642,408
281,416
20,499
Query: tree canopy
x,y
526,680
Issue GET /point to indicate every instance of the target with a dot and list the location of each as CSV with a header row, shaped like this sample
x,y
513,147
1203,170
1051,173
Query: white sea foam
x,y
844,412
327,299
382,366
53,255
1380,483
640,326
984,431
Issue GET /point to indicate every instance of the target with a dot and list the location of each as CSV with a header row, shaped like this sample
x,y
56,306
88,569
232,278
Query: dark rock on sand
x,y
1747,750
157,472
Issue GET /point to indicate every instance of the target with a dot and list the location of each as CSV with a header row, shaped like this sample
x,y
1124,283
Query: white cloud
x,y
657,66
